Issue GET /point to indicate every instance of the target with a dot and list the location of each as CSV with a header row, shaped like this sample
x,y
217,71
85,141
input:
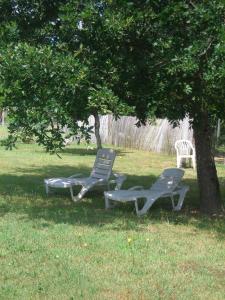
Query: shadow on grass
x,y
25,195
87,151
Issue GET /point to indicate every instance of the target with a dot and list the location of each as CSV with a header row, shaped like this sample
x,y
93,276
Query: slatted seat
x,y
101,175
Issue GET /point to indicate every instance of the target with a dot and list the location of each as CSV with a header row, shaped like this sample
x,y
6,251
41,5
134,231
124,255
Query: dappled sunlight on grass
x,y
51,247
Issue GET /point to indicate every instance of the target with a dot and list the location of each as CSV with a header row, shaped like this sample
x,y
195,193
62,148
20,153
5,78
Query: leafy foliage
x,y
42,92
170,56
66,78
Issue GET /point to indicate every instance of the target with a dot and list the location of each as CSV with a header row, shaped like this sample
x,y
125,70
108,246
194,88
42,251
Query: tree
x,y
176,52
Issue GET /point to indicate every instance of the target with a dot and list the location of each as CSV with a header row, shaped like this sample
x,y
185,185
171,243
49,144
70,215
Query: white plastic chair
x,y
185,150
101,175
168,185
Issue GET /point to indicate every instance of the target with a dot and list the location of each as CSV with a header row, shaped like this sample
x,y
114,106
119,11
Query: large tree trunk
x,y
210,201
97,129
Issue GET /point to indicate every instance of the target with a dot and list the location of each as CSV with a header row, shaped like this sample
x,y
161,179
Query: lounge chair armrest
x,y
119,180
112,181
137,187
119,175
76,175
182,187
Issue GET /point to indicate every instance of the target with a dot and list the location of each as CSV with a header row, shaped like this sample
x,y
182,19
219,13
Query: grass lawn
x,y
52,248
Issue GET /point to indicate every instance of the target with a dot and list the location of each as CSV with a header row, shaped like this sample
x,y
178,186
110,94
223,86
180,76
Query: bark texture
x,y
210,200
97,131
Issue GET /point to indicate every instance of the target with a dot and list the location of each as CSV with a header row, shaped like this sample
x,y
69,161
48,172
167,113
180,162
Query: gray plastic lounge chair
x,y
101,175
168,185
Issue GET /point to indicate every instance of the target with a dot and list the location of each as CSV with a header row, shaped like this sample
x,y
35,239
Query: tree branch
x,y
192,4
210,40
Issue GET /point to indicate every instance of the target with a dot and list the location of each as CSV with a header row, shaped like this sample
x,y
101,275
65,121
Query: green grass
x,y
51,248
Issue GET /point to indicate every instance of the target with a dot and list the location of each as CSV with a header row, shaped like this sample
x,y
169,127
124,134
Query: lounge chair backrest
x,y
103,164
168,180
184,147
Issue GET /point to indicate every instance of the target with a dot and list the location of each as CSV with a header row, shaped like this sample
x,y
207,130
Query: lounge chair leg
x,y
109,204
136,207
81,194
71,192
182,194
172,199
47,189
149,202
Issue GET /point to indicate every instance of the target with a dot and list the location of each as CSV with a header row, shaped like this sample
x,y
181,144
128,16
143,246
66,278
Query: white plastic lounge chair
x,y
185,150
168,185
101,175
